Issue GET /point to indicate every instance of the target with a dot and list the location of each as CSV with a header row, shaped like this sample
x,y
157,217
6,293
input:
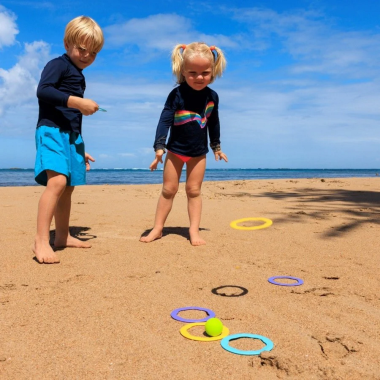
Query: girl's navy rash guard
x,y
59,79
189,114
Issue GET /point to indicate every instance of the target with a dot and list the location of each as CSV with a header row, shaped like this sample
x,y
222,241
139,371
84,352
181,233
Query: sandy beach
x,y
104,312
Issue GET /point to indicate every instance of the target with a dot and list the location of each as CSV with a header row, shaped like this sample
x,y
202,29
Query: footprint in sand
x,y
284,365
335,346
321,292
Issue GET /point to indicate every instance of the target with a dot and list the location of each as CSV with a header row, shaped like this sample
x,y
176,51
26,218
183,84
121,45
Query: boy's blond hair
x,y
83,31
181,53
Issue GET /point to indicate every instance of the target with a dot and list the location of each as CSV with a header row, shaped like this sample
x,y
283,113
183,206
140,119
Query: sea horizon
x,y
141,176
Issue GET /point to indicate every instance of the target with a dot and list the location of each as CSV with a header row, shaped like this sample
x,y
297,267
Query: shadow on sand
x,y
80,233
181,231
356,207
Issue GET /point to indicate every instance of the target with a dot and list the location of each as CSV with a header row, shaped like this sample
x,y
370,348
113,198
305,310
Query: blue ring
x,y
174,313
225,344
272,280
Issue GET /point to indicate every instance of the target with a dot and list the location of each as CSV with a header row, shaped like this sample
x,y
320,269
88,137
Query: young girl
x,y
191,110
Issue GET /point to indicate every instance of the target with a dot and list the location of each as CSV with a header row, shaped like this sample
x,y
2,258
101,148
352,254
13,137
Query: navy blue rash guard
x,y
59,79
189,114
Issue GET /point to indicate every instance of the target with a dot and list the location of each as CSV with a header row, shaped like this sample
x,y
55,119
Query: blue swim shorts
x,y
61,152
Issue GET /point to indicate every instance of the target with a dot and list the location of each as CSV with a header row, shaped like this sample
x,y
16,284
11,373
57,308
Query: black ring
x,y
215,291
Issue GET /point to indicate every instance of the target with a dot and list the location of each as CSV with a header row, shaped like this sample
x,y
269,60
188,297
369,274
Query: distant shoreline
x,y
25,177
221,169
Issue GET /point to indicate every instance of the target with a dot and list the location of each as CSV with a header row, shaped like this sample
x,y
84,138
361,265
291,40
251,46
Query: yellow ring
x,y
235,223
187,335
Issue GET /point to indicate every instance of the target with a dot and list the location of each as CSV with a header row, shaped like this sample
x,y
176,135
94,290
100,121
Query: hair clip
x,y
183,47
212,48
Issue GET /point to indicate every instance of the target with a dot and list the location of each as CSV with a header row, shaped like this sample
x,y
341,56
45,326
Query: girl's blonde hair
x,y
181,53
85,32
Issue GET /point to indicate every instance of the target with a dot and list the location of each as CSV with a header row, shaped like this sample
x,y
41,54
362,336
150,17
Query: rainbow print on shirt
x,y
183,117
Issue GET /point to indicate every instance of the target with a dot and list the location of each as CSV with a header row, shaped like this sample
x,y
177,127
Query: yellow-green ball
x,y
213,327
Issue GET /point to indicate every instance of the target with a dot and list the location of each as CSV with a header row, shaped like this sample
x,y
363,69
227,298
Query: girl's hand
x,y
159,154
220,156
87,159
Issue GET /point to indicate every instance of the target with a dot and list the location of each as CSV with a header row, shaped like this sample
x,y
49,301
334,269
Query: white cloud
x,y
8,27
127,154
145,151
160,33
19,83
319,112
314,43
152,32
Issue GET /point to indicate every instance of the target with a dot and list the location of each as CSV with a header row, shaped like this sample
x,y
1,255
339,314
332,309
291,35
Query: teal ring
x,y
225,344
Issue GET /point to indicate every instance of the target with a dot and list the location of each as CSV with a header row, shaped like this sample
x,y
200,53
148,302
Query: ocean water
x,y
25,177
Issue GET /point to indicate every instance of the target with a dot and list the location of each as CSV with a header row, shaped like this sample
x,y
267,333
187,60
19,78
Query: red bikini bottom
x,y
183,158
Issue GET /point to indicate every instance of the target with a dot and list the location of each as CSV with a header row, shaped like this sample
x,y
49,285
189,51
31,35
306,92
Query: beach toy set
x,y
216,331
214,328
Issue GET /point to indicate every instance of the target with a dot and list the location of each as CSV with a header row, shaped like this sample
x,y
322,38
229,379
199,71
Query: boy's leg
x,y
55,187
62,217
195,173
172,173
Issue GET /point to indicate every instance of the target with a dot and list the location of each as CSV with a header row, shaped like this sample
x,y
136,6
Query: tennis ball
x,y
214,327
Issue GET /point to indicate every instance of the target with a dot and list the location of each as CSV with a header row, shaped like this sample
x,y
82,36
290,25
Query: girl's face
x,y
80,56
197,71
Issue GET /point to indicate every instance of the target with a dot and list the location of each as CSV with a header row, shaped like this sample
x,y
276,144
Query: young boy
x,y
61,161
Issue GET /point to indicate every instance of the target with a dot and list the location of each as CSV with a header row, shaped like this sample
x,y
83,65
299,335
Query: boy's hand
x,y
159,154
87,159
86,106
220,156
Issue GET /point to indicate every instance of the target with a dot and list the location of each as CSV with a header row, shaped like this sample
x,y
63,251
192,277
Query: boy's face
x,y
80,55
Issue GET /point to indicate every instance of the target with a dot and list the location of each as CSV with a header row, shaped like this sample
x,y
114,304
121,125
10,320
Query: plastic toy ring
x,y
244,291
267,223
272,281
225,344
184,332
174,315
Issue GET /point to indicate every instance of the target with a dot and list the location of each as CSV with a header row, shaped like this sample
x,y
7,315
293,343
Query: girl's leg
x,y
62,217
195,173
46,208
172,173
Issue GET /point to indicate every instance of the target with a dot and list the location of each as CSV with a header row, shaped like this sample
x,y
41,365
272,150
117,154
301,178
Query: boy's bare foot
x,y
71,242
153,235
44,253
195,238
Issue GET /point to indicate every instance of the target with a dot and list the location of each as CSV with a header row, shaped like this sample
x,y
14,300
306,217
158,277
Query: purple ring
x,y
174,313
272,280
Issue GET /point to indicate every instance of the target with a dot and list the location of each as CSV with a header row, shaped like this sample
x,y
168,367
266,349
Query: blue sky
x,y
301,89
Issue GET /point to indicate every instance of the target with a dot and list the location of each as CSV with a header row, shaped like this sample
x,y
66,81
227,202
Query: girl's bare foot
x,y
44,253
195,238
153,235
70,242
